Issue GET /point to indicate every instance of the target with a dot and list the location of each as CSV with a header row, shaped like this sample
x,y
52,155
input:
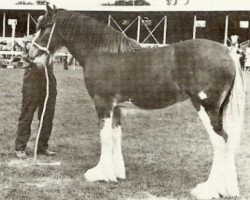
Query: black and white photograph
x,y
124,99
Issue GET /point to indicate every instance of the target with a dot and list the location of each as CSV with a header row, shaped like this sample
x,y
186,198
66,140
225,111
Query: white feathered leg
x,y
118,157
215,185
105,169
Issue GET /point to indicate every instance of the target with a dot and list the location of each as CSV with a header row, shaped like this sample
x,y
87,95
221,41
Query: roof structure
x,y
194,5
21,7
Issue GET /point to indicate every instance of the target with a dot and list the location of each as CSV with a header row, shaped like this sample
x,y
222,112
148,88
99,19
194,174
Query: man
x,y
242,59
34,93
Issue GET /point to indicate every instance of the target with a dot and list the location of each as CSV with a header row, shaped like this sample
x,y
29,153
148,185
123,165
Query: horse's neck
x,y
78,52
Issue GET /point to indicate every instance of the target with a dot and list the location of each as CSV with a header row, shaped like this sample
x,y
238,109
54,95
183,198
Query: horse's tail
x,y
233,112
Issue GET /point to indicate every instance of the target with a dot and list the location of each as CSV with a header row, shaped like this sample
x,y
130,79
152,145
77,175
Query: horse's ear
x,y
49,10
54,8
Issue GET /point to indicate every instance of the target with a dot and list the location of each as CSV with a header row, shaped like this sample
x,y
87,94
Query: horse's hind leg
x,y
222,180
214,185
105,169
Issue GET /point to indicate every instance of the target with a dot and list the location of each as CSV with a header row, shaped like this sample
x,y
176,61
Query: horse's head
x,y
46,40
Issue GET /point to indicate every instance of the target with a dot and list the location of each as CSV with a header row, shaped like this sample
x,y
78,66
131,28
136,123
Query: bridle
x,y
45,49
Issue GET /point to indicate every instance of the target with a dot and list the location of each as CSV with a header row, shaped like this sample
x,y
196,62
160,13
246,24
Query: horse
x,y
116,69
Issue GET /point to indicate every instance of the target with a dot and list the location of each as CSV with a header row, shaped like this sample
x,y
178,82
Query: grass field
x,y
167,152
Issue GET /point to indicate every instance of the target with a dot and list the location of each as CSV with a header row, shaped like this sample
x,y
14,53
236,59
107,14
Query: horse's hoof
x,y
97,174
205,191
123,177
120,170
232,189
120,175
215,190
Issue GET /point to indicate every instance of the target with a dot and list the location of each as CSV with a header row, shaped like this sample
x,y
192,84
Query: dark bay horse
x,y
117,69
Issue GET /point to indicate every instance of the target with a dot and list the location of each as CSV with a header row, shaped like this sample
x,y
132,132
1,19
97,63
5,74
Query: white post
x,y
138,29
109,20
13,23
165,29
13,35
194,27
28,25
4,22
226,31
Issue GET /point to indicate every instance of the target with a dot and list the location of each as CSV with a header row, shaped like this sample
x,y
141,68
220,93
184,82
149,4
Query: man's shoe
x,y
47,152
21,154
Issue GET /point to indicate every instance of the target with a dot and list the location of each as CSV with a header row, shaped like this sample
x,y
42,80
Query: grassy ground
x,y
167,152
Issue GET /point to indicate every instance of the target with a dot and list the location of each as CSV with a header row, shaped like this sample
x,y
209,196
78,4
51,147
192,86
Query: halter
x,y
45,49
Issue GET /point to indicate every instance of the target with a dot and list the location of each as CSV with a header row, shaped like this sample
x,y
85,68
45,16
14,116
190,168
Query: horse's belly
x,y
151,100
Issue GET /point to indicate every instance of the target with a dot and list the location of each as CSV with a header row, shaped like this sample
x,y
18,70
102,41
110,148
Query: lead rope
x,y
43,112
46,50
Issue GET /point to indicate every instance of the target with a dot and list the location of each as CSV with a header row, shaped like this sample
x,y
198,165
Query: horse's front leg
x,y
117,136
111,157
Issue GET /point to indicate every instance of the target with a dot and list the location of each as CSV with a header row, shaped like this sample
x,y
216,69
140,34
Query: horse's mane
x,y
92,34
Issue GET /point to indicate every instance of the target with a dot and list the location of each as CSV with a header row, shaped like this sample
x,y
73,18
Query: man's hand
x,y
27,62
42,61
38,62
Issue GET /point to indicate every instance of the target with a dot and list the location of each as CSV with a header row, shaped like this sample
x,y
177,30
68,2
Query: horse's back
x,y
204,52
